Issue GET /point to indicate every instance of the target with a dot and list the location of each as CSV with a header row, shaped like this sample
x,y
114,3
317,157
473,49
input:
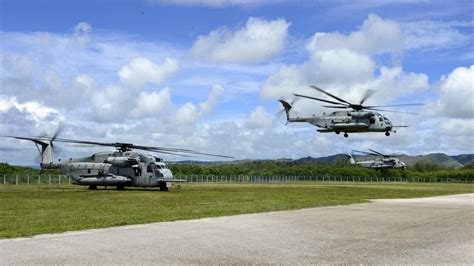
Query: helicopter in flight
x,y
358,119
121,168
386,162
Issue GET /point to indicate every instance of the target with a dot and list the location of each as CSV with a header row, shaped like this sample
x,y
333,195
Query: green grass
x,y
28,210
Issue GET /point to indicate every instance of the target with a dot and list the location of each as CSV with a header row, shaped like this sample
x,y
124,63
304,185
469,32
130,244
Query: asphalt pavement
x,y
436,230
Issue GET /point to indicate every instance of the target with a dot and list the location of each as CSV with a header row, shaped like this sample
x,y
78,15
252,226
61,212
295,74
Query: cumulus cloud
x,y
34,109
456,94
189,112
345,64
142,70
259,118
429,34
151,104
81,33
376,35
458,127
257,41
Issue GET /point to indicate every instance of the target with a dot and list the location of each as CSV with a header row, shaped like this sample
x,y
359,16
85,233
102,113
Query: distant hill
x,y
441,159
327,159
434,158
464,158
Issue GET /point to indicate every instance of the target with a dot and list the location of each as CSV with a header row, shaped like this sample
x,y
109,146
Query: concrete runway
x,y
436,230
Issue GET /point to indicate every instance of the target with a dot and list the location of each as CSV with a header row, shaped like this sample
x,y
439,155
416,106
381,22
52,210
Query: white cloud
x,y
151,104
257,41
81,33
345,64
186,114
32,109
376,35
458,127
190,113
142,70
259,118
429,34
210,103
456,94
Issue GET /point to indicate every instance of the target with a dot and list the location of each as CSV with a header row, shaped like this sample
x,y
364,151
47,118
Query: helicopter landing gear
x,y
346,135
163,186
338,132
387,133
120,187
92,187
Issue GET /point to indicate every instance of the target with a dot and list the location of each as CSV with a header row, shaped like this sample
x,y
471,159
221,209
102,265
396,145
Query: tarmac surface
x,y
436,230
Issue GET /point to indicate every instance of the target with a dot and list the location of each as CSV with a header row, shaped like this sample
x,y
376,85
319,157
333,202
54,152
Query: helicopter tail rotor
x,y
45,147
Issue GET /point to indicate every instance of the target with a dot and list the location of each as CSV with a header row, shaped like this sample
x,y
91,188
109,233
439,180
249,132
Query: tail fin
x,y
287,107
46,151
351,159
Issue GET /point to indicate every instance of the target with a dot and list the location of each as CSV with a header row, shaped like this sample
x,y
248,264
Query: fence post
x,y
16,180
4,178
69,180
49,178
28,179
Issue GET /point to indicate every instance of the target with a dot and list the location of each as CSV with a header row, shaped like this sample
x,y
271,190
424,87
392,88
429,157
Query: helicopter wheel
x,y
163,187
387,133
92,187
338,132
346,135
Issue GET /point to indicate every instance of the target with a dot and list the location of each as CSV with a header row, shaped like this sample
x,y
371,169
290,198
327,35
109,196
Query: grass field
x,y
28,210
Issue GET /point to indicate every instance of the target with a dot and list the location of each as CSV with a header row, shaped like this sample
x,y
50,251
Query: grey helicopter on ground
x,y
358,119
121,168
383,162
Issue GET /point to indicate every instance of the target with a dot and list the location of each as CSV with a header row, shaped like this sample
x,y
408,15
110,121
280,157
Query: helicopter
x,y
121,168
358,119
388,161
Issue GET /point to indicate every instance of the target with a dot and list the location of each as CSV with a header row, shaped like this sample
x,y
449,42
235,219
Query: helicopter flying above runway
x,y
359,119
121,168
386,162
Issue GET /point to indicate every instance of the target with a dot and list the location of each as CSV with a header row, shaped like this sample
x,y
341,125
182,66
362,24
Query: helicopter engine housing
x,y
123,160
361,114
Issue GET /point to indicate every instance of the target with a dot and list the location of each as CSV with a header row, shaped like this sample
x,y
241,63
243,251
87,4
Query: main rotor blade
x,y
367,95
393,105
140,147
38,140
368,153
177,154
377,152
400,112
318,99
193,152
339,107
329,94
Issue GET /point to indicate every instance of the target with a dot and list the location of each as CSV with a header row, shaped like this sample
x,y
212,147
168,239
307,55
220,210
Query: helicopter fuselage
x,y
349,122
384,163
118,168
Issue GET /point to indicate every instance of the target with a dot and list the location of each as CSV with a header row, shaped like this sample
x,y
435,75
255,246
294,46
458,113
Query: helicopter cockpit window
x,y
380,119
150,167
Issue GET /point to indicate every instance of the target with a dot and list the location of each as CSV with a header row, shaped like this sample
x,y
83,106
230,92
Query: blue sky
x,y
207,74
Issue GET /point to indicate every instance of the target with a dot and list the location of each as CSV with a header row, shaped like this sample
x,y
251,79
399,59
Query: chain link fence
x,y
48,179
